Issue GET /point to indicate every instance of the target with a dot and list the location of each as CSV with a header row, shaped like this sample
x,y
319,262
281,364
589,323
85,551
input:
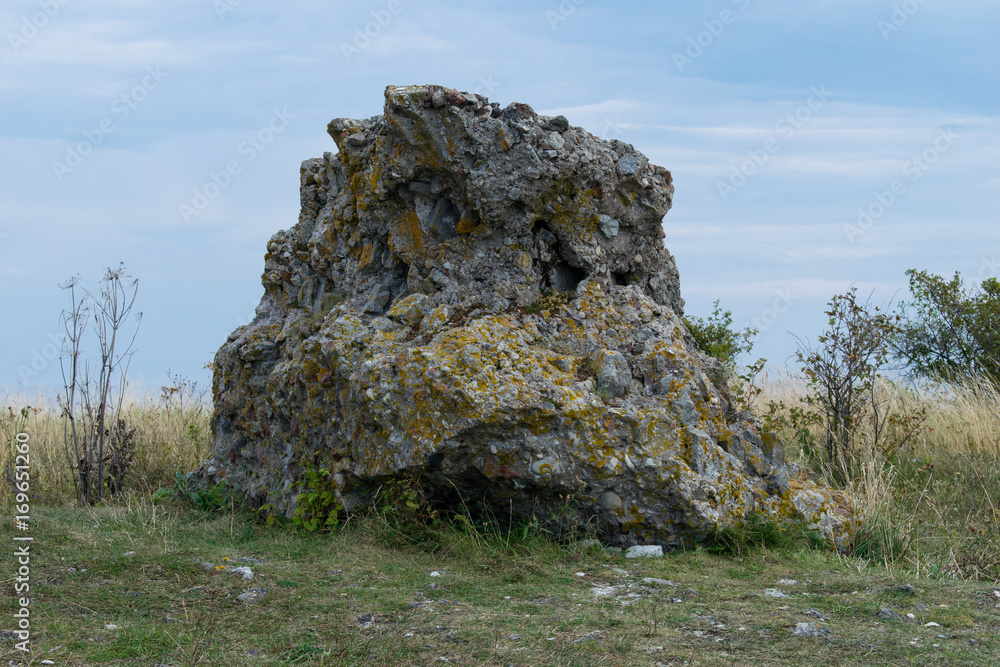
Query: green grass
x,y
932,522
356,597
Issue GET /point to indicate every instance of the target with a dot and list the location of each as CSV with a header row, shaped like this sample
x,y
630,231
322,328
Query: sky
x,y
814,145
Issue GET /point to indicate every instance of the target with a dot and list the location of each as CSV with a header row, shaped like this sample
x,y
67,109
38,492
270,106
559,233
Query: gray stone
x,y
513,376
653,581
557,124
628,164
888,614
613,372
811,630
644,551
609,501
252,595
609,226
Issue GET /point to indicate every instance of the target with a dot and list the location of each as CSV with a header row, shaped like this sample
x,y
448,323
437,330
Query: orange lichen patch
x,y
572,211
468,222
367,256
406,238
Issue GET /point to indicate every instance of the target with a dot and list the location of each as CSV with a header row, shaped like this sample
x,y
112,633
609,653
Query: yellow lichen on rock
x,y
480,297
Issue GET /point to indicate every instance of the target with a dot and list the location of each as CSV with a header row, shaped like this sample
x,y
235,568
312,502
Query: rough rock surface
x,y
480,297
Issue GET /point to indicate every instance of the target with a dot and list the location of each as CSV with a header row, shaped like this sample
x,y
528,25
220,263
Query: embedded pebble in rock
x,y
481,296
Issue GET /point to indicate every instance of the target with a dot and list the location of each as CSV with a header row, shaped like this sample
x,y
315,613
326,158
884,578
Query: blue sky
x,y
782,122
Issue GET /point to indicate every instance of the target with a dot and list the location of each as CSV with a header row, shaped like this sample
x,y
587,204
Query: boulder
x,y
479,298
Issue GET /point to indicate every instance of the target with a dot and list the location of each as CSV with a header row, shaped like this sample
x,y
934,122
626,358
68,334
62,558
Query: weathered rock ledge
x,y
480,297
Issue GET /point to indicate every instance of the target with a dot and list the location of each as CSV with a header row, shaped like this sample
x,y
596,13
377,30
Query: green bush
x,y
715,335
948,331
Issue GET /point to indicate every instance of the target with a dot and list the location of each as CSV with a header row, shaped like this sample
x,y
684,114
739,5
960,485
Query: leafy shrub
x,y
218,497
949,331
318,507
843,372
715,335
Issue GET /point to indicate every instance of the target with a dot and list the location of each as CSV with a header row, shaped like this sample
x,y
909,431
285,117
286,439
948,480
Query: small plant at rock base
x,y
403,508
759,532
318,507
881,540
216,498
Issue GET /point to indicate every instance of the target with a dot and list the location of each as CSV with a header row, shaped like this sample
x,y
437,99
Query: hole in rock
x,y
541,231
564,278
620,278
443,219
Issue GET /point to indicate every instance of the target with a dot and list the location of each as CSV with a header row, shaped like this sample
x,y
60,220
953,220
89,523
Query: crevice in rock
x,y
564,277
557,274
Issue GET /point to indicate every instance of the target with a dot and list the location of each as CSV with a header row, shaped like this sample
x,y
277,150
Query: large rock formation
x,y
480,297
